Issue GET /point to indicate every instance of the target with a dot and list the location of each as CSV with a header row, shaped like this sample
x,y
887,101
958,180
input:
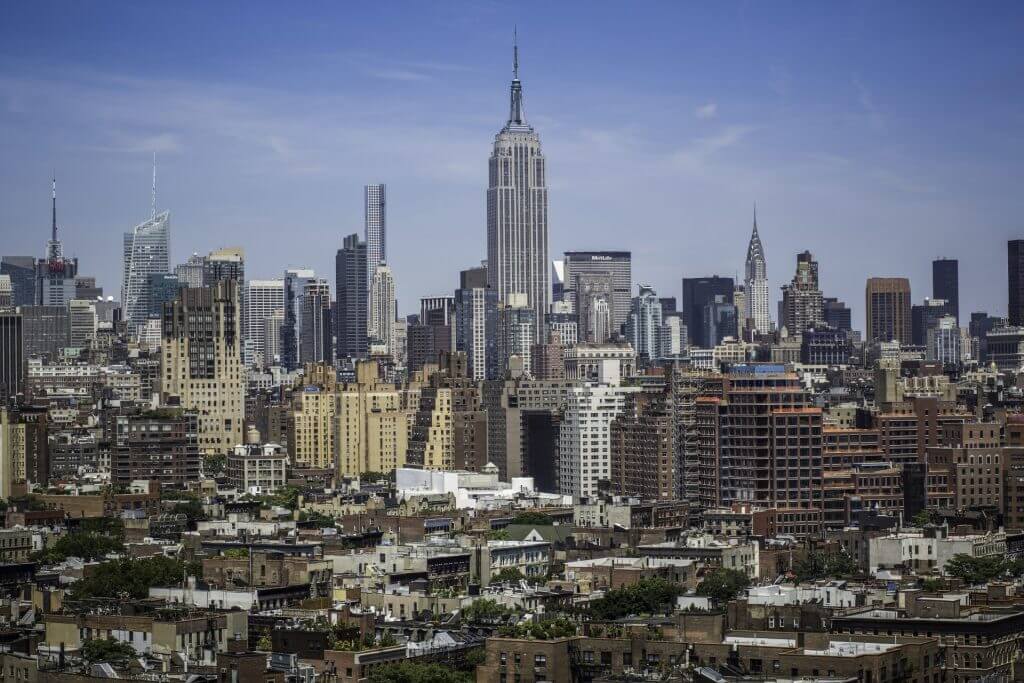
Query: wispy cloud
x,y
707,111
399,75
867,102
121,142
698,153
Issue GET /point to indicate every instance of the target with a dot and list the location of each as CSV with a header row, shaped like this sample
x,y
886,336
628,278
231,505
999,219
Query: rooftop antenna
x,y
515,52
154,184
53,235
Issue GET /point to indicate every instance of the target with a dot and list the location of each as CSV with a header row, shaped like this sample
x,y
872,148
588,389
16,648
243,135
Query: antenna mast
x,y
154,184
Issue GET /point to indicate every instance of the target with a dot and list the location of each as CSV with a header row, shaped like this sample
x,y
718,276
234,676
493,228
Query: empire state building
x,y
517,212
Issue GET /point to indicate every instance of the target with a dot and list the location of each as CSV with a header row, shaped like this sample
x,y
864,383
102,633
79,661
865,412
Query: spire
x,y
515,114
53,233
515,53
154,184
755,251
54,251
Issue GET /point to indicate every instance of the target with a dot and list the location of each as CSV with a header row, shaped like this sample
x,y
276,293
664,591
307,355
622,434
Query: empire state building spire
x,y
516,115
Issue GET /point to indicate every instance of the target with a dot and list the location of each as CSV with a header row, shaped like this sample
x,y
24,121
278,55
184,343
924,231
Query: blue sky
x,y
877,135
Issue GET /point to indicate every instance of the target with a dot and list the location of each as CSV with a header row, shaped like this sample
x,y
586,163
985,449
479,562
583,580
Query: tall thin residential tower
x,y
517,211
375,197
757,284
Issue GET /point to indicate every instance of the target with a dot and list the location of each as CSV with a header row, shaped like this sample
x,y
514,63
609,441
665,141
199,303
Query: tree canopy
x,y
975,570
722,585
88,545
131,579
107,650
824,566
532,517
484,611
414,672
647,596
540,630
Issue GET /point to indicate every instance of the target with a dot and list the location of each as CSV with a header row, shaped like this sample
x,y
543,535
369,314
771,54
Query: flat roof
x,y
763,641
850,648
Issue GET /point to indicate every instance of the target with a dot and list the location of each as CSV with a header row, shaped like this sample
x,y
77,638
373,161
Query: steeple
x,y
516,117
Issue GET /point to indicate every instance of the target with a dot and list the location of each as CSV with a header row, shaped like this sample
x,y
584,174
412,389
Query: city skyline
x,y
97,207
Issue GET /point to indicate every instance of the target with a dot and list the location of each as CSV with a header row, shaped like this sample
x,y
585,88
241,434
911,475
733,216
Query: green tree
x,y
508,575
414,672
318,518
107,650
236,553
975,570
88,545
132,579
191,508
484,611
647,596
933,585
214,464
533,518
921,518
264,644
1015,568
548,629
824,566
722,585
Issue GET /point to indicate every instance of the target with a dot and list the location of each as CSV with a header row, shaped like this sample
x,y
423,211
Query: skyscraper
x,y
756,309
381,322
643,327
316,333
517,211
801,298
55,275
82,323
202,362
594,302
836,314
263,299
12,354
22,270
353,298
887,312
375,201
146,251
698,292
476,324
946,284
1015,280
616,266
516,332
295,281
